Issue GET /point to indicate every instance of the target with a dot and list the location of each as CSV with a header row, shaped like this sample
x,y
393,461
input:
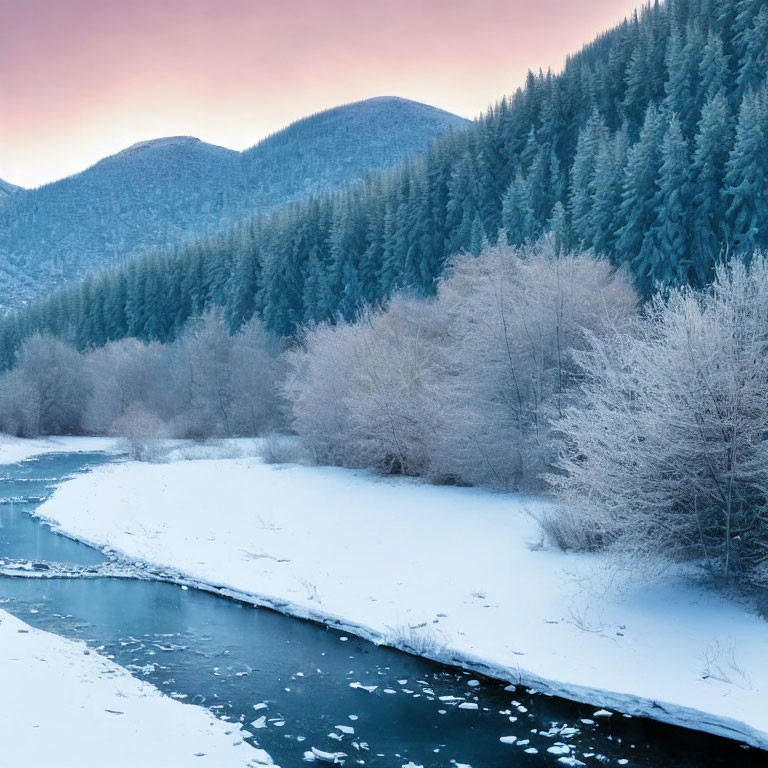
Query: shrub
x,y
668,433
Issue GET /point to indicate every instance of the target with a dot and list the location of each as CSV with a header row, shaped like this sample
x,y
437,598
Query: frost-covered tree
x,y
461,387
45,394
664,448
513,316
361,394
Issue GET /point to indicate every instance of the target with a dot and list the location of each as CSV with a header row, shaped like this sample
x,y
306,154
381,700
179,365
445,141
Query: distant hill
x,y
6,190
162,193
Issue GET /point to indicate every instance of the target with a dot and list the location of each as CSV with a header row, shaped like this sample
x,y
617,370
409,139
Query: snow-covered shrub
x,y
281,449
227,383
124,373
513,318
45,393
568,527
460,388
141,430
362,394
666,446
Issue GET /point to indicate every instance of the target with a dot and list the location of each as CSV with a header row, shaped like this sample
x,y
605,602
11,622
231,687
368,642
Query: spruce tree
x,y
746,191
664,255
710,156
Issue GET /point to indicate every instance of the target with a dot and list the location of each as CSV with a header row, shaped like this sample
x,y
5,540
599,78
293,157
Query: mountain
x,y
649,148
327,150
7,189
162,193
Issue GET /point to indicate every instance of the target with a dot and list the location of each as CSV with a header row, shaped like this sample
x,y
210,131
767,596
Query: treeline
x,y
649,148
208,383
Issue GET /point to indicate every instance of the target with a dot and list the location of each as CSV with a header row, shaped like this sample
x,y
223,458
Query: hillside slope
x,y
7,189
161,193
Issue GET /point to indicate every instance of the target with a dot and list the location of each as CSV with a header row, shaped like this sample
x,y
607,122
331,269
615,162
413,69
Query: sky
x,y
82,79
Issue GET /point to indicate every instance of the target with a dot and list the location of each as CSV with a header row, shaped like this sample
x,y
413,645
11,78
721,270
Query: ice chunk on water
x,y
369,688
508,739
468,705
328,757
260,722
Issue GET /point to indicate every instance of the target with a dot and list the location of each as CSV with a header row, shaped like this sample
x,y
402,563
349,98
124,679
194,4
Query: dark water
x,y
233,658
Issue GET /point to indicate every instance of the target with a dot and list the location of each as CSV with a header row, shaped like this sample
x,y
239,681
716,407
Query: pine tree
x,y
664,257
517,215
581,192
638,202
710,156
746,178
754,60
606,190
713,70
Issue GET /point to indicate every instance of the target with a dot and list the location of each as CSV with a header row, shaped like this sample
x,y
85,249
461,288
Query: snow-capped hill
x,y
155,149
342,145
168,141
163,192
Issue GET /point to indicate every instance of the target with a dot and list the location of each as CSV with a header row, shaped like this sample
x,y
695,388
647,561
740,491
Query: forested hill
x,y
6,190
650,147
161,193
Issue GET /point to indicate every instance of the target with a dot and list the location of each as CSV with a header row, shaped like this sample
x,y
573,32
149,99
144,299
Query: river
x,y
295,685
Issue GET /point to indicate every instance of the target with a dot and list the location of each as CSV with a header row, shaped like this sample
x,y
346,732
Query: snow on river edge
x,y
62,705
459,575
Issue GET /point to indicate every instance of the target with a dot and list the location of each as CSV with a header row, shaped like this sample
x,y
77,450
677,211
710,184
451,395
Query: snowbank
x,y
458,574
14,449
63,706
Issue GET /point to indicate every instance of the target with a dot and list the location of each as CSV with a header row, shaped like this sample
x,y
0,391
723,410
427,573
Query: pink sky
x,y
81,79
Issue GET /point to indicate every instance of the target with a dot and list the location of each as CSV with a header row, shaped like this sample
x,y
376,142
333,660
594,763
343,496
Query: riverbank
x,y
460,575
65,706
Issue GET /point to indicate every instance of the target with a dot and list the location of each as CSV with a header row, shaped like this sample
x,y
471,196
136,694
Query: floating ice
x,y
369,688
328,757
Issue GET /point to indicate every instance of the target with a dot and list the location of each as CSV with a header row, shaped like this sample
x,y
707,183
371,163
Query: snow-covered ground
x,y
459,574
63,706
